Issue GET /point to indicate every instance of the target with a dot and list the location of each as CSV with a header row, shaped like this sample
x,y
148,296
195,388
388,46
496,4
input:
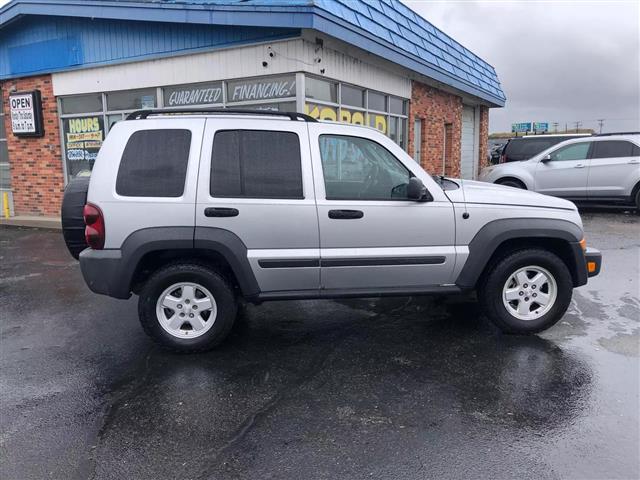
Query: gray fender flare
x,y
147,240
485,243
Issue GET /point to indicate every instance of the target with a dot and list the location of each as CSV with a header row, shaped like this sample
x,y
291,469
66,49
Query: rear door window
x,y
613,149
154,164
256,164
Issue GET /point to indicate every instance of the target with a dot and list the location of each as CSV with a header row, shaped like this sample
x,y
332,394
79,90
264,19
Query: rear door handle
x,y
220,212
345,214
580,165
634,161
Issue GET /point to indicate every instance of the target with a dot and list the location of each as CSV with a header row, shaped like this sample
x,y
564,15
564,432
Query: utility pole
x,y
600,123
578,124
555,127
565,127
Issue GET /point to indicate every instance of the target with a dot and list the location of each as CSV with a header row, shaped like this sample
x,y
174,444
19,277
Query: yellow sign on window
x,y
355,117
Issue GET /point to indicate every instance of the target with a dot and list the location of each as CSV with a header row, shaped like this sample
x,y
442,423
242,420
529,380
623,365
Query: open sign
x,y
25,110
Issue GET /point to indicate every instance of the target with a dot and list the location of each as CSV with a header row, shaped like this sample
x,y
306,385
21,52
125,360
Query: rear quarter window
x,y
154,164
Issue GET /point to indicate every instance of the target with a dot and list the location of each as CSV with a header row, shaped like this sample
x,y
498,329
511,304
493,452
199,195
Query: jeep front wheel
x,y
187,307
527,291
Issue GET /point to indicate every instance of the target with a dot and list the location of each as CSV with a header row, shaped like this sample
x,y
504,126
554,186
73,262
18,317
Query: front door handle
x,y
634,161
345,214
580,165
220,212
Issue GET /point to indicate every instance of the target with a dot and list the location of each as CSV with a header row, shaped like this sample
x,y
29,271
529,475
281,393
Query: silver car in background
x,y
601,169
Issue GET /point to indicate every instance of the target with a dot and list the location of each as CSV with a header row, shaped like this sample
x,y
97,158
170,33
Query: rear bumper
x,y
593,259
103,272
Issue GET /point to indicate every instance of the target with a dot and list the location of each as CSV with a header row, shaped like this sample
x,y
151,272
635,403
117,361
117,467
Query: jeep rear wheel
x,y
527,291
187,307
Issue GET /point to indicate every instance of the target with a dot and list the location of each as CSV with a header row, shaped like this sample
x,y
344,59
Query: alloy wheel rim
x,y
186,310
529,293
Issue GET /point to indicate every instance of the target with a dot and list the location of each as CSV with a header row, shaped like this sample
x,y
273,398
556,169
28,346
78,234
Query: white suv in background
x,y
602,168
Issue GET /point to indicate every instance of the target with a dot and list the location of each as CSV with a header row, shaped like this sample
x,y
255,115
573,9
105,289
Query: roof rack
x,y
142,114
616,133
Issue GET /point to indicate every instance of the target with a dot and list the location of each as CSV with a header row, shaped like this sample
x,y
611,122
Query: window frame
x,y
343,199
252,197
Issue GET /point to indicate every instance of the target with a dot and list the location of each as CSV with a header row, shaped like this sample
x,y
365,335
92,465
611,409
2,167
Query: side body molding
x,y
491,235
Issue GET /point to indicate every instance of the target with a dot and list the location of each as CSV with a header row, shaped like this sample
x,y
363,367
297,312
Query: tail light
x,y
94,229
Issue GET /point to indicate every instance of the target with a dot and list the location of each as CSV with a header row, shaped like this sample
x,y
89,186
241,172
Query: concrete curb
x,y
49,223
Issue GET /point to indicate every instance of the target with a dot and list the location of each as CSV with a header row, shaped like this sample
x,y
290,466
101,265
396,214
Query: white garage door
x,y
468,154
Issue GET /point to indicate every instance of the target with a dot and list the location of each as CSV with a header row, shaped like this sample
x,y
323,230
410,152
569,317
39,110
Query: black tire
x,y
215,283
512,182
491,286
75,197
637,200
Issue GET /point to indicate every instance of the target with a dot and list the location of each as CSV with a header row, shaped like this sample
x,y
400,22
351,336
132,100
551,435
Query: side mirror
x,y
417,191
546,158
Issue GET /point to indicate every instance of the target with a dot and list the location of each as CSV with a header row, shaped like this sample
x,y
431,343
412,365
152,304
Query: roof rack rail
x,y
616,133
142,114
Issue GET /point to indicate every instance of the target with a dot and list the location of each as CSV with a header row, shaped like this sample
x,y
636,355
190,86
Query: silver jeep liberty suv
x,y
194,210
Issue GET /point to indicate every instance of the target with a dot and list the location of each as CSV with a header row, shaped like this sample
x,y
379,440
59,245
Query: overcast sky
x,y
558,61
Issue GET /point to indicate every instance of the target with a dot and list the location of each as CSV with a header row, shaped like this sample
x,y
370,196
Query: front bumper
x,y
593,259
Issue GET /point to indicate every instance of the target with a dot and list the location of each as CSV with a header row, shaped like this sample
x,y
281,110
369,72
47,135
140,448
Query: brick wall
x,y
441,115
484,135
35,164
436,109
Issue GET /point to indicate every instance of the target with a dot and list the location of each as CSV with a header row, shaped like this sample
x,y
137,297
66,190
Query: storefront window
x,y
132,99
397,105
321,112
393,129
377,101
113,119
86,119
82,103
383,112
352,96
83,138
276,107
199,94
321,90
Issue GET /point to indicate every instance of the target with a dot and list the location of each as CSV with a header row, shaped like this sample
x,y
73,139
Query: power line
x,y
578,124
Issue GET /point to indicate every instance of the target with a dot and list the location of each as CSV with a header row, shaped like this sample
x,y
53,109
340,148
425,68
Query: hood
x,y
490,193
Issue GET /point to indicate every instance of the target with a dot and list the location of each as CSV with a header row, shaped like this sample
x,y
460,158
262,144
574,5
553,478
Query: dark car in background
x,y
495,151
524,148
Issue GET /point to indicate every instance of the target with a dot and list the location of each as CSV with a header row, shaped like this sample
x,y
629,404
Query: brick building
x,y
372,62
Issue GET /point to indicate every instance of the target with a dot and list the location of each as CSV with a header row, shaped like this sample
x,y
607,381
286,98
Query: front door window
x,y
357,168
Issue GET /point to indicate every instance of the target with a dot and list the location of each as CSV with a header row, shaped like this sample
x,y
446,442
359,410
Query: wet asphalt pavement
x,y
399,388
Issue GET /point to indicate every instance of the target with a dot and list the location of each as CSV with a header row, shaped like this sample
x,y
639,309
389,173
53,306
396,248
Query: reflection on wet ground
x,y
372,388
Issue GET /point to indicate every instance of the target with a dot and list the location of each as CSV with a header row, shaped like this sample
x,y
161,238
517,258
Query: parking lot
x,y
373,388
